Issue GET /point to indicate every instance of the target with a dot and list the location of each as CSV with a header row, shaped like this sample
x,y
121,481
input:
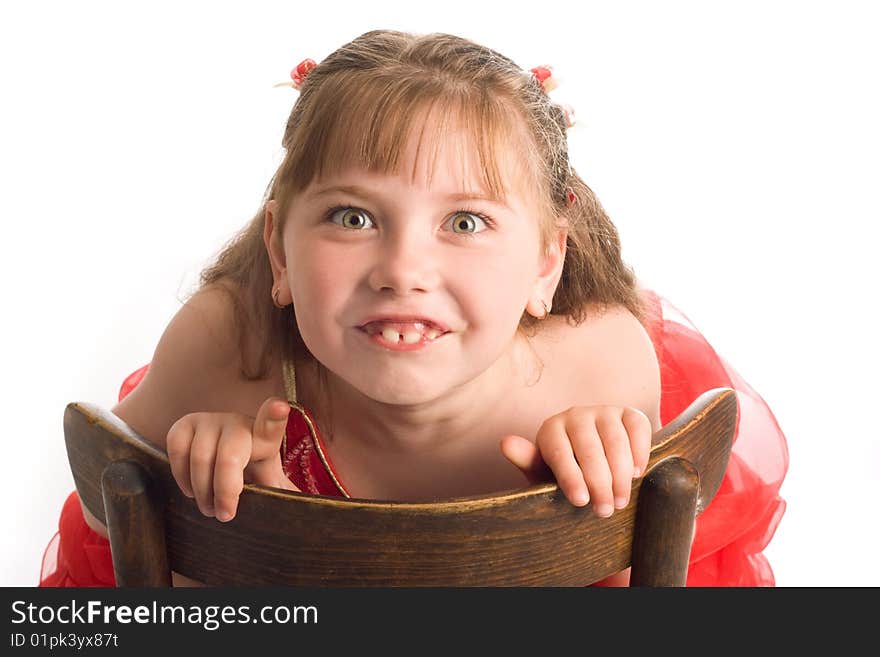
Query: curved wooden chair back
x,y
527,537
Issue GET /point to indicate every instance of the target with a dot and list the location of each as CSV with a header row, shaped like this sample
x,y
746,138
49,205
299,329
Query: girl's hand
x,y
593,451
212,454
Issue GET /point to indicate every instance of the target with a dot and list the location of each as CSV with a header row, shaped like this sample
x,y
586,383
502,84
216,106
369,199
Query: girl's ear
x,y
549,273
275,249
273,241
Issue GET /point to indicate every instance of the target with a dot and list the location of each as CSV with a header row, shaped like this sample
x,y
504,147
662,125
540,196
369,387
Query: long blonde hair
x,y
358,105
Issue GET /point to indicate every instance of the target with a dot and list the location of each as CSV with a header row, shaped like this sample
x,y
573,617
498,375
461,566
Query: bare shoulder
x,y
196,361
614,358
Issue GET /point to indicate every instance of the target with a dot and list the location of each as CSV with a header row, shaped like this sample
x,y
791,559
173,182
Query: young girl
x,y
431,303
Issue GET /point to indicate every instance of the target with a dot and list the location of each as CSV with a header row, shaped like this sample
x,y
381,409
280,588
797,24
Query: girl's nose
x,y
405,263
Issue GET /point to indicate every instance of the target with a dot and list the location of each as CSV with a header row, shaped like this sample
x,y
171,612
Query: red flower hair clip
x,y
544,75
298,74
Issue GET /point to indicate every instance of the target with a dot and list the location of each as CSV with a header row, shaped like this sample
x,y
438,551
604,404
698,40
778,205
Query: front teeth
x,y
392,335
409,337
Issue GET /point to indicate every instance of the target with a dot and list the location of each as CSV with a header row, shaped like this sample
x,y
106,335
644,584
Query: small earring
x,y
275,292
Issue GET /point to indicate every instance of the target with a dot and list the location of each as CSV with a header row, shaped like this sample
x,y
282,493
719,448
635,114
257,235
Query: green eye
x,y
353,218
467,223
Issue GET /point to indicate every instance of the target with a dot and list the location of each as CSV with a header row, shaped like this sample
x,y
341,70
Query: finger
x,y
590,455
233,454
202,456
524,454
556,449
269,427
638,427
269,473
615,442
178,442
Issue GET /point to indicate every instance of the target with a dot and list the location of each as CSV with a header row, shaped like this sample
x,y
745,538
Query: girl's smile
x,y
403,333
407,339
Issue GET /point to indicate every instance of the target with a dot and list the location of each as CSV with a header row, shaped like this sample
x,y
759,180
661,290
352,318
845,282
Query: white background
x,y
736,146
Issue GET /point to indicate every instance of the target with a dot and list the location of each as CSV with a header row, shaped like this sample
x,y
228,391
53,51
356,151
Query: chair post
x,y
135,525
664,527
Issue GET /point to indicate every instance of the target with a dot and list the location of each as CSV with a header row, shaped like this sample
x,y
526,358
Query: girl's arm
x,y
622,372
195,355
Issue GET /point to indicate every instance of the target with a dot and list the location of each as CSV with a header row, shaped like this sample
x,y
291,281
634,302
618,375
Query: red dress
x,y
731,533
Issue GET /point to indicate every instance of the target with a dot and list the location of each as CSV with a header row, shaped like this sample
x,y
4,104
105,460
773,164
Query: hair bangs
x,y
368,122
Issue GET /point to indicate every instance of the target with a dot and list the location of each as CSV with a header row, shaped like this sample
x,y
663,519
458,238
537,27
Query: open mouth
x,y
402,333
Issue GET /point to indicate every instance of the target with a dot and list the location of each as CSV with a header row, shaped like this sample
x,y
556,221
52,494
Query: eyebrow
x,y
366,193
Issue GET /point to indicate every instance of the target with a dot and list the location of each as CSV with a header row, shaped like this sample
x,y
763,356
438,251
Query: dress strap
x,y
289,380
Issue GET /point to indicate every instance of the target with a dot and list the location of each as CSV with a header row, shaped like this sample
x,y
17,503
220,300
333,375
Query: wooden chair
x,y
527,537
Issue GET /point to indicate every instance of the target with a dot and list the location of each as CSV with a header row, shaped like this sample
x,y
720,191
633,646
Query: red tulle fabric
x,y
731,533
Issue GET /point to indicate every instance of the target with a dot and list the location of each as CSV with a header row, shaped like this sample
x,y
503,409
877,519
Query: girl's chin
x,y
398,394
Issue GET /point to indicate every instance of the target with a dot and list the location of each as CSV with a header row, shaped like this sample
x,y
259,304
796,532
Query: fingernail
x,y
580,498
636,471
224,516
620,502
604,510
208,511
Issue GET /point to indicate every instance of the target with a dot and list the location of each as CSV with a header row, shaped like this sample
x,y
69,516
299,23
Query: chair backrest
x,y
526,537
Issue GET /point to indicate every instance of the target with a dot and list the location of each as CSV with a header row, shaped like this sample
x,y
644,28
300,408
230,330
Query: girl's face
x,y
411,285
